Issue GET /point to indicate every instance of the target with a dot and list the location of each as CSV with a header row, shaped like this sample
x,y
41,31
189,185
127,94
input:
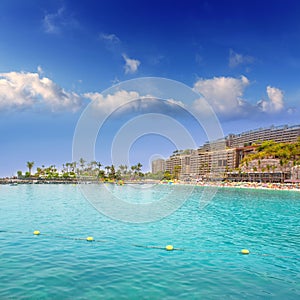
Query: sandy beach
x,y
248,185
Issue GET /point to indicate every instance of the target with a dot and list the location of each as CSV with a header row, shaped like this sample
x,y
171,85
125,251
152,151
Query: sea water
x,y
128,261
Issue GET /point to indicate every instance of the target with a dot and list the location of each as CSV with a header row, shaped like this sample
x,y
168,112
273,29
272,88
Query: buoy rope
x,y
168,247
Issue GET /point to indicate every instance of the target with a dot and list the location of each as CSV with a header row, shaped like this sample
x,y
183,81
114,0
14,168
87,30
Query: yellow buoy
x,y
89,238
169,247
245,251
36,232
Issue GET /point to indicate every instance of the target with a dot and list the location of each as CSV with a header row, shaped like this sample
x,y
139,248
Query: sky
x,y
58,57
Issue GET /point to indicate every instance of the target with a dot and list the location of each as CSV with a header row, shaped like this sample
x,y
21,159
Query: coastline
x,y
16,181
242,185
248,185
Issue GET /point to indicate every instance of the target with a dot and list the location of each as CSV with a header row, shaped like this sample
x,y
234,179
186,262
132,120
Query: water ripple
x,y
210,265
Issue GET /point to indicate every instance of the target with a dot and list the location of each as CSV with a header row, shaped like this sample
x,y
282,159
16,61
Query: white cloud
x,y
116,80
226,97
111,102
224,94
176,102
291,110
236,59
51,21
40,70
125,101
110,38
111,42
131,65
25,90
20,90
55,22
275,103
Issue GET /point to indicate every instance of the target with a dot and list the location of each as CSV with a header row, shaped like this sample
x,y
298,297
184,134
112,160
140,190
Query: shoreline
x,y
243,185
16,181
248,185
259,186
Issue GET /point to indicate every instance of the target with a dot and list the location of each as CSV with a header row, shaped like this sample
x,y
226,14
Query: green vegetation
x,y
283,151
167,175
86,170
29,166
177,170
154,176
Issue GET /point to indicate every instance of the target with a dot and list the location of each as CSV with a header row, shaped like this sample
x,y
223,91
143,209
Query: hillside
x,y
284,152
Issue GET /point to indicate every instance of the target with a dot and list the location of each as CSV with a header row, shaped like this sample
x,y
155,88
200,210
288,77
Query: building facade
x,y
213,160
285,134
158,165
181,160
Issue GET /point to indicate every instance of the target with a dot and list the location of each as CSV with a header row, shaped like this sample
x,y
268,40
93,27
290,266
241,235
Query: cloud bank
x,y
226,96
124,101
20,90
107,104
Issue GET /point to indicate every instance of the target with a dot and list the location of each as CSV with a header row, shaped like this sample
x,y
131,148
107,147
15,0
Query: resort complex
x,y
269,155
130,165
262,155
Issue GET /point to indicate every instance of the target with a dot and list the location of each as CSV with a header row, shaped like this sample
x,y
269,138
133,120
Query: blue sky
x,y
56,57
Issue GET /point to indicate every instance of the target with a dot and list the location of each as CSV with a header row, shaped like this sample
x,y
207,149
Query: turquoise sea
x,y
121,263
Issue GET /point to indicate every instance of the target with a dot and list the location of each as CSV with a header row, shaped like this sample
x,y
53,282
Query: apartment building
x,y
158,165
278,134
183,159
215,158
213,162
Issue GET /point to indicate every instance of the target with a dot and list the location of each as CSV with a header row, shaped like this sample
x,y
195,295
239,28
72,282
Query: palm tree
x,y
112,174
99,165
138,170
29,166
281,162
139,167
107,168
167,175
82,162
122,169
177,170
38,171
133,169
72,165
67,166
247,165
118,175
82,165
92,166
259,168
